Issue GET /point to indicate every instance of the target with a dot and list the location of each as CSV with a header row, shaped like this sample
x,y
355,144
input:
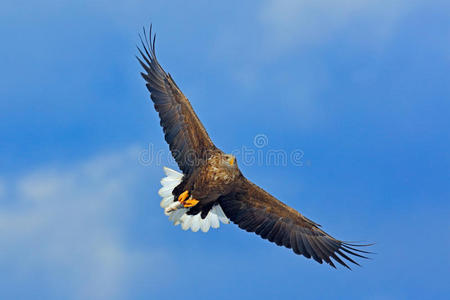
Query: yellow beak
x,y
231,161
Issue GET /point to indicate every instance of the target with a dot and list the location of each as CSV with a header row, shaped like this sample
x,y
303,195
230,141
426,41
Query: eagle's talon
x,y
183,196
190,203
187,203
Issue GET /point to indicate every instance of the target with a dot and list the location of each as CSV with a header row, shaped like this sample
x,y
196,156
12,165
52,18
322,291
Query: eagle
x,y
212,190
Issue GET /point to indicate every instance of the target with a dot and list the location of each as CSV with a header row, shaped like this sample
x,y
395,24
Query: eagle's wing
x,y
187,138
255,210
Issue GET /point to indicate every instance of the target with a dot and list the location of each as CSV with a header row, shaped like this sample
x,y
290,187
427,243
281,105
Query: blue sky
x,y
360,87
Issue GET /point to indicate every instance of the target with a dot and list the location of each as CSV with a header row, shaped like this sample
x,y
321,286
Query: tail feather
x,y
180,216
214,219
165,202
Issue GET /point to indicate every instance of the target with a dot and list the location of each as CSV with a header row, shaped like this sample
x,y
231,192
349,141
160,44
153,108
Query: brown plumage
x,y
212,177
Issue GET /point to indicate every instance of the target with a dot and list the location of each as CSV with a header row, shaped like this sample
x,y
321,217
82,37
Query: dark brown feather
x,y
187,138
255,210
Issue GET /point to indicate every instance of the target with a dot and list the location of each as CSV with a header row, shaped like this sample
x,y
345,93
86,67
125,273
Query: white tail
x,y
179,215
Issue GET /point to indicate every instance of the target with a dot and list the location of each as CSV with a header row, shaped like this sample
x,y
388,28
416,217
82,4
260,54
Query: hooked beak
x,y
231,161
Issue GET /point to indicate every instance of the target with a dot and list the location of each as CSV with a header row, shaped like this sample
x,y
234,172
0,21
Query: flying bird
x,y
212,190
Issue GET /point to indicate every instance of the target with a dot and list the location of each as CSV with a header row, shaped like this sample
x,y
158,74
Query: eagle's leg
x,y
187,203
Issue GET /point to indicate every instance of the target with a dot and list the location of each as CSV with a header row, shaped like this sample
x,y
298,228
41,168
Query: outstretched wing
x,y
255,210
187,138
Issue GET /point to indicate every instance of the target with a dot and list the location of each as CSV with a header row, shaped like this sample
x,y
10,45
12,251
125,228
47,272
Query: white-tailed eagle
x,y
211,188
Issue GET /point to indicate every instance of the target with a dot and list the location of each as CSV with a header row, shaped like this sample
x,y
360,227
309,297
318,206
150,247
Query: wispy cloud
x,y
290,45
65,224
278,26
291,23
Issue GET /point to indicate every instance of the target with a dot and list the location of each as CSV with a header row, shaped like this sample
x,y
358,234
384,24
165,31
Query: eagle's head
x,y
229,161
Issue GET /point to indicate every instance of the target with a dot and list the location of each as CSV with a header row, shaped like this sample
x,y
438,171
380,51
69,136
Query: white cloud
x,y
66,223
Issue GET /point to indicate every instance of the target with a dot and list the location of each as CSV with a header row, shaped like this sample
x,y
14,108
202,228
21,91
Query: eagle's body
x,y
211,188
210,180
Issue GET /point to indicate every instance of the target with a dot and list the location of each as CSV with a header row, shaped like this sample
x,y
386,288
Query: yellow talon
x,y
187,203
191,202
183,196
